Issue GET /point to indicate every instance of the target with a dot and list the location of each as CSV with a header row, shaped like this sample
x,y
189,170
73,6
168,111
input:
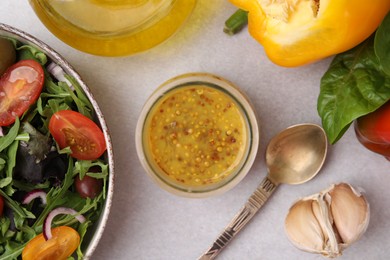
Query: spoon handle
x,y
254,203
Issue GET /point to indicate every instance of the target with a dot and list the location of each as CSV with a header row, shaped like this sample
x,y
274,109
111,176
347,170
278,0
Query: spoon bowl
x,y
293,156
296,154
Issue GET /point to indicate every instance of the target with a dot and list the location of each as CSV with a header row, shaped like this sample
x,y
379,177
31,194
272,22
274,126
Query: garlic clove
x,y
328,222
303,228
322,212
350,212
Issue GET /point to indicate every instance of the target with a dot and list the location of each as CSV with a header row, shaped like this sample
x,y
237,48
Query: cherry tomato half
x,y
373,130
1,205
88,187
64,242
81,134
20,87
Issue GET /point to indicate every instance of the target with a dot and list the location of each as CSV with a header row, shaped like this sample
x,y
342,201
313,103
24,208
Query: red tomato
x,y
20,87
88,187
373,130
1,205
64,242
81,134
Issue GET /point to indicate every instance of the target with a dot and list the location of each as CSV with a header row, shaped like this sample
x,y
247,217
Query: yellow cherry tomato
x,y
64,242
298,32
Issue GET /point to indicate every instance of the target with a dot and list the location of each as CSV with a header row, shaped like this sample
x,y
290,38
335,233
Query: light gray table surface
x,y
149,223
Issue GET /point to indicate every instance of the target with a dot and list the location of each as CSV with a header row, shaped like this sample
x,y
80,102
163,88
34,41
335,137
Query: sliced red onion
x,y
59,74
61,210
1,131
32,195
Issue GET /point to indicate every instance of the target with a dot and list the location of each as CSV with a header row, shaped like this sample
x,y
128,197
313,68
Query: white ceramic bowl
x,y
95,232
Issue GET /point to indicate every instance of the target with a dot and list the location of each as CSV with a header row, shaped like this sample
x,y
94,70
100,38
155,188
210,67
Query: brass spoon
x,y
293,156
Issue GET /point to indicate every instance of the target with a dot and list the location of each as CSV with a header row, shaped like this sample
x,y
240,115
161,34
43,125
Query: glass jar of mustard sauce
x,y
113,27
197,135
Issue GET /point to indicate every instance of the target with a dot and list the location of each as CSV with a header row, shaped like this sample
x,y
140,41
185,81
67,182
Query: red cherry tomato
x,y
20,87
373,130
88,187
64,242
1,205
81,134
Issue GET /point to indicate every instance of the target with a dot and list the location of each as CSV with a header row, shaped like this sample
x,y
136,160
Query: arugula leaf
x,y
82,231
55,197
26,186
20,211
28,232
2,163
81,168
84,106
11,162
12,250
4,226
8,139
5,182
27,52
355,84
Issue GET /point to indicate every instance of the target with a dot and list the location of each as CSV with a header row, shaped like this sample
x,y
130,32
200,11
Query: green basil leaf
x,y
353,86
382,44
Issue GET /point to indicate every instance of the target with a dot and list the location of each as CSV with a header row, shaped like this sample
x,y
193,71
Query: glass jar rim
x,y
251,125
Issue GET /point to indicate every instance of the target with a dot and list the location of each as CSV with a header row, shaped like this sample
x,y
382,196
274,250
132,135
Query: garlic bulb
x,y
328,222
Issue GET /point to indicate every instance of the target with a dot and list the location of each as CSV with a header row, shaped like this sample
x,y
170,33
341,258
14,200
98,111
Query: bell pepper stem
x,y
236,22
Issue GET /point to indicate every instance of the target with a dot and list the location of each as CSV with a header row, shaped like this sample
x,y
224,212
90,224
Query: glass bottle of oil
x,y
113,27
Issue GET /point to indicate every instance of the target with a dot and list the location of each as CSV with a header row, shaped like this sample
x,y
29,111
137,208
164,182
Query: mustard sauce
x,y
197,135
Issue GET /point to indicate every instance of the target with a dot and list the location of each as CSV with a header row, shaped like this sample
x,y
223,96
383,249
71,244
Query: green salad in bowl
x,y
56,159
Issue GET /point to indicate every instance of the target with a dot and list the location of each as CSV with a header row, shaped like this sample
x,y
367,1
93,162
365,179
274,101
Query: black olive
x,y
7,55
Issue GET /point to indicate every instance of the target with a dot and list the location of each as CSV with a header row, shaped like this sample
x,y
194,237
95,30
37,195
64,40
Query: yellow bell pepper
x,y
298,32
